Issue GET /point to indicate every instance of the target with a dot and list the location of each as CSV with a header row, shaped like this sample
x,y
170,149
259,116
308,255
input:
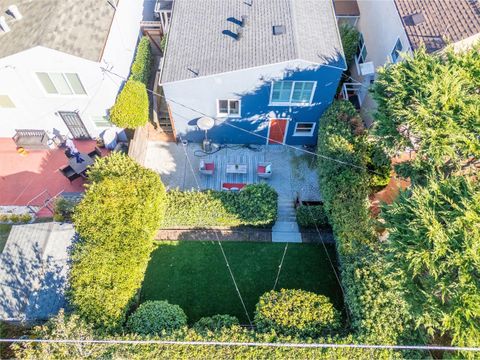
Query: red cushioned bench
x,y
233,186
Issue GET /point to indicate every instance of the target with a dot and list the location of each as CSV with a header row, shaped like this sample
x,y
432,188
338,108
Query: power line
x,y
251,132
280,266
219,243
239,344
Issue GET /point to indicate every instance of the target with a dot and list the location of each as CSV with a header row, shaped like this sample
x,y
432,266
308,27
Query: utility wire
x,y
238,344
251,132
280,266
219,242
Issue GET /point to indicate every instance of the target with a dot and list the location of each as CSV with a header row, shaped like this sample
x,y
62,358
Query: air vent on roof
x,y
418,18
13,10
279,29
4,25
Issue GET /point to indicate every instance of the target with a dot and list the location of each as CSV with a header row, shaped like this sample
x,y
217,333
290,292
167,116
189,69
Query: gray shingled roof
x,y
33,271
197,43
75,27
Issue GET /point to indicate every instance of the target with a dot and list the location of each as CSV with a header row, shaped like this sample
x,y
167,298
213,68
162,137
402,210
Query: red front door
x,y
278,128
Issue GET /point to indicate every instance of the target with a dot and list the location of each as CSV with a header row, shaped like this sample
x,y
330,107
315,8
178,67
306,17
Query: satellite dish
x,y
205,123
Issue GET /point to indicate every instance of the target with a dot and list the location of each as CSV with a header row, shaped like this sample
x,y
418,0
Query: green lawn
x,y
194,275
4,231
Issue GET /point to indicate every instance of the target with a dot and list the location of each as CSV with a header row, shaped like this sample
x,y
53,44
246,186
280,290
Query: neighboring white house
x,y
391,27
52,53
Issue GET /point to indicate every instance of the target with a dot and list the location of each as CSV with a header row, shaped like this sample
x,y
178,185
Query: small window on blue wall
x,y
396,51
292,92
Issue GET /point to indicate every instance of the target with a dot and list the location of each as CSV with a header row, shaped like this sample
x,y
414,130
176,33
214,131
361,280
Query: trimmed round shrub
x,y
154,317
131,107
296,313
312,217
215,323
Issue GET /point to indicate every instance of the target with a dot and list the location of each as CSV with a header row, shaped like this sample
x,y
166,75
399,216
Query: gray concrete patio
x,y
294,171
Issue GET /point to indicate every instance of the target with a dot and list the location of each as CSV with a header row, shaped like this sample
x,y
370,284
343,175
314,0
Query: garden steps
x,y
286,227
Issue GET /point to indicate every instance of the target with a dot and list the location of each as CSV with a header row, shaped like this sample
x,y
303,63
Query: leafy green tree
x,y
156,317
350,38
433,243
430,103
142,64
116,221
131,107
375,302
297,313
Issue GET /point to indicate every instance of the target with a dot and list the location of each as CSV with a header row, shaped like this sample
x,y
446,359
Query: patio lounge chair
x,y
95,153
69,173
264,170
233,186
207,168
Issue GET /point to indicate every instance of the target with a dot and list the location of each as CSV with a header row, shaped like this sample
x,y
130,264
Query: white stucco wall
x,y
381,26
34,109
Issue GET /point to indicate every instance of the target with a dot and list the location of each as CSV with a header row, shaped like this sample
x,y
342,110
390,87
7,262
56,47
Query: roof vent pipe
x,y
244,21
13,10
4,25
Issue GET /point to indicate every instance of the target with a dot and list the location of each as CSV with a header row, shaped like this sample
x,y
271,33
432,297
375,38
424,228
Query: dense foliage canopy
x,y
374,301
116,222
156,317
142,64
255,205
296,313
350,38
430,103
72,327
434,248
131,107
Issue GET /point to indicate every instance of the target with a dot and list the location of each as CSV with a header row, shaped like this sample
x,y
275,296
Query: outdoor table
x,y
79,168
236,168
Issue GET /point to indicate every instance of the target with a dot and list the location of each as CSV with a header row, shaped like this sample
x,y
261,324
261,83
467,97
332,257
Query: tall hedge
x,y
116,222
255,205
131,107
350,38
71,327
377,307
142,65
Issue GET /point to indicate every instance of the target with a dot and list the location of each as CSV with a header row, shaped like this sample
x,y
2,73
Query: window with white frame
x,y
292,92
6,102
395,54
228,108
361,55
101,121
61,83
304,129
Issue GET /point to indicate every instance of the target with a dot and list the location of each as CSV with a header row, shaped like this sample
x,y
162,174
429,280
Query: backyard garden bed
x,y
194,275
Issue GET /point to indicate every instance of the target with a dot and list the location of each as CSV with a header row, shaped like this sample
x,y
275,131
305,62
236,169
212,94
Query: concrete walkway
x,y
286,227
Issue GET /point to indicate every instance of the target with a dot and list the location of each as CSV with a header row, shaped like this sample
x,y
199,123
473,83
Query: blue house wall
x,y
198,97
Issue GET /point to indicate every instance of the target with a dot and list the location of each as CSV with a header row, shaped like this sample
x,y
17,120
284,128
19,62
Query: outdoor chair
x,y
69,173
264,170
207,168
233,186
95,153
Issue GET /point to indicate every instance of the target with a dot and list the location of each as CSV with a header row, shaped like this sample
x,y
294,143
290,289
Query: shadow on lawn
x,y
195,276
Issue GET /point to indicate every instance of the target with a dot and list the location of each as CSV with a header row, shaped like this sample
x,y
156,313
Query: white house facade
x,y
59,86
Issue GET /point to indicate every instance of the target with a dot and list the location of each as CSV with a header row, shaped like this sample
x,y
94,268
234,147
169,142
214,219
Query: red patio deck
x,y
23,177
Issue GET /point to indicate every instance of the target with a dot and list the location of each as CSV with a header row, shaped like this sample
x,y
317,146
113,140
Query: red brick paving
x,y
24,177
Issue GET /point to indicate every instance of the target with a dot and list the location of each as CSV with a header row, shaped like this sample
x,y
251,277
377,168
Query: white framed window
x,y
229,107
101,121
304,129
61,83
361,55
6,102
289,92
395,54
